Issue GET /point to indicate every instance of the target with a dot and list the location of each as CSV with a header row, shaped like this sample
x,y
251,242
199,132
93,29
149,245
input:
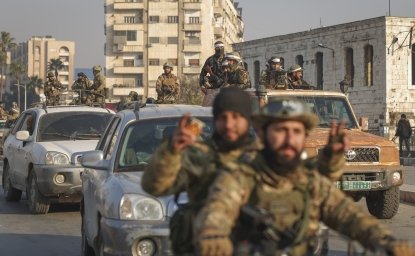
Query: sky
x,y
82,21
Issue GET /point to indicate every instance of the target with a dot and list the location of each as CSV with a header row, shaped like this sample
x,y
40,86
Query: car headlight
x,y
139,207
53,157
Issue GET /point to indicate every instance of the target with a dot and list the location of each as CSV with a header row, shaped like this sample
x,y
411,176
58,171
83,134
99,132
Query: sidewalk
x,y
408,188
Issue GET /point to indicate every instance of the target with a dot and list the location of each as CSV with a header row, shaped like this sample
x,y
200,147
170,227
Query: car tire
x,y
38,204
86,249
383,204
10,193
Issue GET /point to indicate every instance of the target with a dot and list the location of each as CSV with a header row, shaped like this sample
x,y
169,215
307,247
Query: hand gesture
x,y
338,141
182,137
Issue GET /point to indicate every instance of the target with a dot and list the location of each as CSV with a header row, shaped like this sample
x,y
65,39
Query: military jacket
x,y
81,85
3,113
273,79
300,84
99,84
215,79
238,77
296,202
52,88
167,87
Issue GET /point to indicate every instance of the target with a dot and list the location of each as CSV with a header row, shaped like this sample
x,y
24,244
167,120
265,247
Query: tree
x,y
33,86
190,92
16,71
55,65
6,44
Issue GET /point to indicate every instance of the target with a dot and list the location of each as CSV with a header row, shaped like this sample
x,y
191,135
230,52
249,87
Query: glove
x,y
401,248
213,244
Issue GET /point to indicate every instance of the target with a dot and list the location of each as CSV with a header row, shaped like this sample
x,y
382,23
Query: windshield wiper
x,y
59,134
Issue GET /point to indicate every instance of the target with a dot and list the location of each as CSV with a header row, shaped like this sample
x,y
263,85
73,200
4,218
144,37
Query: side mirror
x,y
22,135
364,123
94,160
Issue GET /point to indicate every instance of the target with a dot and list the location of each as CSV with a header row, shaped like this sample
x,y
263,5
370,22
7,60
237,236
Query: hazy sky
x,y
82,21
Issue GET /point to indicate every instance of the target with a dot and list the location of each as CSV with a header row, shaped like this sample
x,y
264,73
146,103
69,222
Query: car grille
x,y
376,176
361,155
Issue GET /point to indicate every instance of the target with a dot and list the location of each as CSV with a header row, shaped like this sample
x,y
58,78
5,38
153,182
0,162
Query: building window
x,y
256,72
194,20
369,65
154,19
299,60
129,63
139,80
349,65
413,64
172,61
131,35
173,19
154,62
172,40
319,70
192,33
193,62
129,19
154,40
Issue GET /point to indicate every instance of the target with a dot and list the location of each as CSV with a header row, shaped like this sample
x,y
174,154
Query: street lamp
x,y
25,95
334,60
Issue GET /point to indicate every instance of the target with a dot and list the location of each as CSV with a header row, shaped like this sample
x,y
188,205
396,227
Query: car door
x,y
24,150
11,146
94,180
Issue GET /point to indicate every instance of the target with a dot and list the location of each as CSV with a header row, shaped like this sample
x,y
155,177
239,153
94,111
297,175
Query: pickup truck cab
x,y
372,166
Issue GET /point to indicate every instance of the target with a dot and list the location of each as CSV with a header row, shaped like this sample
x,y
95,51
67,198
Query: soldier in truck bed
x,y
274,77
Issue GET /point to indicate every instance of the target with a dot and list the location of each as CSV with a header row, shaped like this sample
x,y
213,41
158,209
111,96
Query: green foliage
x,y
55,65
190,92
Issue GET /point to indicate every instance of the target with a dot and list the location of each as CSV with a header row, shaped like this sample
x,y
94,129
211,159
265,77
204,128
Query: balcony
x,y
191,70
123,5
192,27
132,48
128,70
124,91
218,31
192,5
128,26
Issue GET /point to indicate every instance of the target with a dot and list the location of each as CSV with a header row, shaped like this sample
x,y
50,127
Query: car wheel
x,y
86,249
38,204
383,204
12,194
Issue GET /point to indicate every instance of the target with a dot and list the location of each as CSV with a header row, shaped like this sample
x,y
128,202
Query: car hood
x,y
318,138
69,146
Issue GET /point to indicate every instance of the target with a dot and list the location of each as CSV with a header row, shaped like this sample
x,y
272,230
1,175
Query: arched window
x,y
256,72
349,65
319,70
368,65
299,60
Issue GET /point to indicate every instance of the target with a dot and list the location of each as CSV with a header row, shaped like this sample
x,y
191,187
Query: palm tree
x,y
55,65
16,71
6,44
33,87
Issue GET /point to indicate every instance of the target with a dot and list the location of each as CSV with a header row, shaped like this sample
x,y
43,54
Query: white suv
x,y
41,153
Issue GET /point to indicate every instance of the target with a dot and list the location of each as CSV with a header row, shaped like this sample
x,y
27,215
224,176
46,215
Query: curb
x,y
407,194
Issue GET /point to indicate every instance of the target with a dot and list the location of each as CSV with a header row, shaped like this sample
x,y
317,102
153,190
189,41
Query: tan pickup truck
x,y
372,163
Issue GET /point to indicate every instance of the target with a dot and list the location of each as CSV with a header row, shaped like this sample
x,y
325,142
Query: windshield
x,y
72,126
141,138
329,108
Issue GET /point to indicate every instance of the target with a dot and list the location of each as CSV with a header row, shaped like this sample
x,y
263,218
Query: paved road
x,y
58,233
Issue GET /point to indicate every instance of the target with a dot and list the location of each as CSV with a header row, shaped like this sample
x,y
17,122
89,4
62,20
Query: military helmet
x,y
81,74
168,65
50,74
233,56
295,68
133,95
225,63
288,109
96,68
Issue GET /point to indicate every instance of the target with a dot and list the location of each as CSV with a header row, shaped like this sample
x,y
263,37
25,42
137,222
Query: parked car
x,y
118,217
39,153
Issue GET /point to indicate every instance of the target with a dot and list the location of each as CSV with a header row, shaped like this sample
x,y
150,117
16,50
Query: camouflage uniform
x,y
211,75
52,90
98,86
294,83
237,76
273,79
81,86
296,203
167,87
3,113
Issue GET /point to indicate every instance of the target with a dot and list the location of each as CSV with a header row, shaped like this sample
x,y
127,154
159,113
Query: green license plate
x,y
354,185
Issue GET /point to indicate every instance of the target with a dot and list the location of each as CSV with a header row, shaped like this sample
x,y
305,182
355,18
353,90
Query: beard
x,y
226,146
278,162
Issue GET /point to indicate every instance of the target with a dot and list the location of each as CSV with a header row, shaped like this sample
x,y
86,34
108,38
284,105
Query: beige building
x,y
37,52
378,54
142,35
